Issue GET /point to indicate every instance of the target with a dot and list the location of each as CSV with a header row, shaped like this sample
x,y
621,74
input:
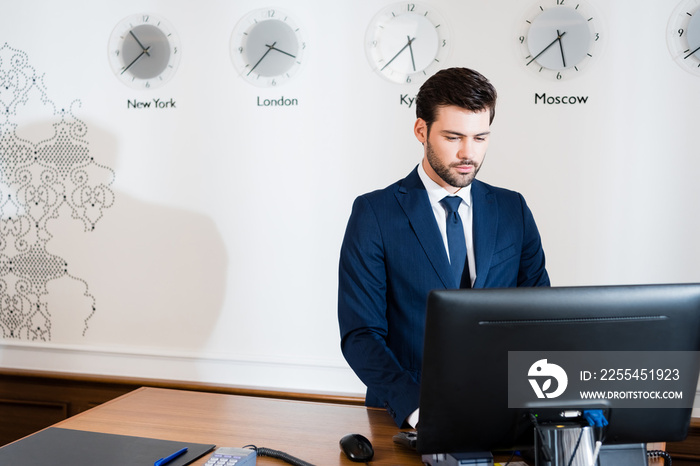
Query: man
x,y
398,240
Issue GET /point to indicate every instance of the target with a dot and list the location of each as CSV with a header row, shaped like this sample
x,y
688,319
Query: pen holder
x,y
568,445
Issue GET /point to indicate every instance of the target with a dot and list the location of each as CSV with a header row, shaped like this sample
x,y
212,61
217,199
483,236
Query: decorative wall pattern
x,y
42,178
217,261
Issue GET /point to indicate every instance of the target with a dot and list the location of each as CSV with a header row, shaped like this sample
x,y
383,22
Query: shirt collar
x,y
437,192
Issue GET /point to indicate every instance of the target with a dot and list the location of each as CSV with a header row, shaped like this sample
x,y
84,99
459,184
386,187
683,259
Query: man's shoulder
x,y
412,180
482,188
382,193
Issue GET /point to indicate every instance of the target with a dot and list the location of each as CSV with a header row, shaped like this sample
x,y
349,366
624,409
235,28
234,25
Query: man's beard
x,y
452,178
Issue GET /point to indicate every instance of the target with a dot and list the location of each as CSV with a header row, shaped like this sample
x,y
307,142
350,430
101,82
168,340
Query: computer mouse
x,y
356,447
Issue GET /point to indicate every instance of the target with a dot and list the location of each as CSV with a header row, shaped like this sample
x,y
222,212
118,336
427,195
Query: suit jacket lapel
x,y
485,222
413,199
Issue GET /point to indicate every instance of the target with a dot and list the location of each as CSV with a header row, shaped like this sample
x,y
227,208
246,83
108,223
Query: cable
x,y
544,448
597,420
512,455
280,455
598,444
662,454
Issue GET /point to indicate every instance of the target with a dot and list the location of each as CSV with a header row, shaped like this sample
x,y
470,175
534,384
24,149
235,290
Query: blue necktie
x,y
456,243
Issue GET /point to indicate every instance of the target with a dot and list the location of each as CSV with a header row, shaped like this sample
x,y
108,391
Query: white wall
x,y
217,260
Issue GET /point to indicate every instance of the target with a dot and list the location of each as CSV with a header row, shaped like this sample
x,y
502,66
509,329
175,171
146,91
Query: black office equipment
x,y
464,403
59,447
357,447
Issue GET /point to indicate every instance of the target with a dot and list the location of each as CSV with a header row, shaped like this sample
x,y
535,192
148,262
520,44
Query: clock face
x,y
144,51
406,42
558,39
267,47
683,35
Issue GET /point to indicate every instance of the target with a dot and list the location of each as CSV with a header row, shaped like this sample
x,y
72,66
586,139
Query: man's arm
x,y
532,270
362,316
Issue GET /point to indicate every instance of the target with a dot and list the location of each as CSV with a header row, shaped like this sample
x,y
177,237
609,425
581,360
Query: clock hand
x,y
399,52
411,50
269,48
145,49
272,47
561,48
559,36
691,53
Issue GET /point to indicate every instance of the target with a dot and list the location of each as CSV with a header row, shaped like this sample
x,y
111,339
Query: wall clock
x,y
559,38
144,51
406,42
267,47
683,35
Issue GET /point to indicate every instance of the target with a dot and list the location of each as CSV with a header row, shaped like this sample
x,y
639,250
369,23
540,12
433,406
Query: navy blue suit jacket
x,y
393,255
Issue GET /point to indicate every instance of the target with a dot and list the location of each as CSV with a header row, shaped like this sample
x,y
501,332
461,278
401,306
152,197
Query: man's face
x,y
455,147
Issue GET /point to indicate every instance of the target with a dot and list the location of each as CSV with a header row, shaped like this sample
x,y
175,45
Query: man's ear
x,y
420,129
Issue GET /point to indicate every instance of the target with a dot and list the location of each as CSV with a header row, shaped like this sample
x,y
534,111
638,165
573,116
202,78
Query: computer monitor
x,y
483,348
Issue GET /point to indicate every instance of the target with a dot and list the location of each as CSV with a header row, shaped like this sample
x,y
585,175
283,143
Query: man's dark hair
x,y
461,87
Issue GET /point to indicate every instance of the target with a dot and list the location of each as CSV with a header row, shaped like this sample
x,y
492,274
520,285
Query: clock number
x,y
560,2
680,32
145,18
411,6
559,76
521,39
270,13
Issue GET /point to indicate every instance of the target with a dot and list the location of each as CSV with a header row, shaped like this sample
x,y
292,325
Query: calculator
x,y
230,456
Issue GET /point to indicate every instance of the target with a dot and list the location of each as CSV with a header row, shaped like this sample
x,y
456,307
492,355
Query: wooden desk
x,y
309,431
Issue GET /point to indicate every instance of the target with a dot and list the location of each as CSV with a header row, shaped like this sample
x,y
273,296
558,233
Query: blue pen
x,y
168,459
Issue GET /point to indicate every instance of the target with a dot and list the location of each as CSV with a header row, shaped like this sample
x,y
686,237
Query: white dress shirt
x,y
435,195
